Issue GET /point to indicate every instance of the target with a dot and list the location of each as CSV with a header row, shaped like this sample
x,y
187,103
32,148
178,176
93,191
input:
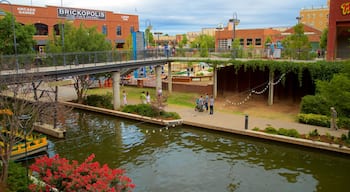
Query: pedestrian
x,y
206,101
334,116
148,98
160,93
272,49
125,102
211,105
143,97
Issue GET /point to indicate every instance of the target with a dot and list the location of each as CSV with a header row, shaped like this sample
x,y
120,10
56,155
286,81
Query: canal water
x,y
190,159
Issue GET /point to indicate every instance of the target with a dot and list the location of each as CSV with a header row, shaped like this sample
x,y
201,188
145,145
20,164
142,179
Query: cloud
x,y
181,16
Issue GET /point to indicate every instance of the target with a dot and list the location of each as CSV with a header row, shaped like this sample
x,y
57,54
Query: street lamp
x,y
157,33
235,21
218,29
149,27
25,118
14,32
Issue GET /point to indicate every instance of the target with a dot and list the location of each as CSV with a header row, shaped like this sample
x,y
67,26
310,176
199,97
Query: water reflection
x,y
189,159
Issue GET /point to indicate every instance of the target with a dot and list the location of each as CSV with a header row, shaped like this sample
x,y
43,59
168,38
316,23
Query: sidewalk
x,y
237,122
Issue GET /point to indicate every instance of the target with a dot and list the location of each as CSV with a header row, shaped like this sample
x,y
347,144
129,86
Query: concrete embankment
x,y
162,122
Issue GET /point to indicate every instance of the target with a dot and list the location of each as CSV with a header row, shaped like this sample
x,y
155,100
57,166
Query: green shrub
x,y
288,132
17,178
103,101
256,129
270,130
314,105
314,133
314,119
343,137
141,109
150,111
344,122
170,115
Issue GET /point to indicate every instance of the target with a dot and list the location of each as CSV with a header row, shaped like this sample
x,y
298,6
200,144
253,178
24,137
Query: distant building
x,y
316,17
338,44
117,27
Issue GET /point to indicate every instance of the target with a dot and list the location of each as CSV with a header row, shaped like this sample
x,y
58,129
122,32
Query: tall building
x,y
47,21
316,17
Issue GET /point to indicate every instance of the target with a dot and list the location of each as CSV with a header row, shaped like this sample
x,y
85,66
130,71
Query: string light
x,y
256,92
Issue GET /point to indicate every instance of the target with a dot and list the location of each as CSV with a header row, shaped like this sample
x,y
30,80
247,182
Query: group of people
x,y
205,103
145,97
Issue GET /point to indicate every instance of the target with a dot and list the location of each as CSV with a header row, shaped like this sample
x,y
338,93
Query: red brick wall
x,y
339,15
192,88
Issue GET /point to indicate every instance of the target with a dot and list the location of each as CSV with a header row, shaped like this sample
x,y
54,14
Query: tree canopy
x,y
81,39
24,36
297,45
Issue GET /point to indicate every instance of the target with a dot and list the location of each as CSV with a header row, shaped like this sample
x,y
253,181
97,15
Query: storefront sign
x,y
81,14
125,18
26,10
345,8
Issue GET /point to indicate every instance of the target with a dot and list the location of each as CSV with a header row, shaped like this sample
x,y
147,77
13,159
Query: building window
x,y
132,29
104,29
119,30
249,42
241,42
258,42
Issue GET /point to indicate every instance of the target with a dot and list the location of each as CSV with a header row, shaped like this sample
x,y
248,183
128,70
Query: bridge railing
x,y
8,62
30,61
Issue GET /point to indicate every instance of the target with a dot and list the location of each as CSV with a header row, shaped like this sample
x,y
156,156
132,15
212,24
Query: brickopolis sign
x,y
345,8
81,13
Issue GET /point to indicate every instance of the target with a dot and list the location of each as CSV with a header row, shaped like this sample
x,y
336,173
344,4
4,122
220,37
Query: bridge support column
x,y
271,77
215,82
116,90
170,79
158,69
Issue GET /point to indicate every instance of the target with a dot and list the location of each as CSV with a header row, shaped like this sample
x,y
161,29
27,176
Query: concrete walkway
x,y
237,122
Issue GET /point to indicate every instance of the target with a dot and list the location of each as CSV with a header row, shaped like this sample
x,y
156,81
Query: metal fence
x,y
12,62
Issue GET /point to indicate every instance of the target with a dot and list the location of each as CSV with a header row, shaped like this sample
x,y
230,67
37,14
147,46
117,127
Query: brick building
x,y
117,27
316,17
338,46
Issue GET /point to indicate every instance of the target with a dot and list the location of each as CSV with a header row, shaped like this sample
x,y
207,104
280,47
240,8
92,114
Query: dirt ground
x,y
257,106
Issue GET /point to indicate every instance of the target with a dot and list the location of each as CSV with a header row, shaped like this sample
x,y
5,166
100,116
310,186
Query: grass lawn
x,y
133,94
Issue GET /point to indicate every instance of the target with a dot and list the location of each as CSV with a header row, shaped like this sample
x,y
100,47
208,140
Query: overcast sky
x,y
181,16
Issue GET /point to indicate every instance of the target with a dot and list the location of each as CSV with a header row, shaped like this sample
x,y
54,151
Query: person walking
x,y
125,102
211,105
206,101
148,98
143,98
334,116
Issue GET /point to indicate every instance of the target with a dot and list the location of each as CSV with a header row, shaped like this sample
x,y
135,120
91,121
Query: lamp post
x,y
25,118
14,32
149,27
235,21
218,29
157,33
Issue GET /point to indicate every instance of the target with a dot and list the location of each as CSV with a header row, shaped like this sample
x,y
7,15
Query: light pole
x,y
149,27
157,33
14,32
235,21
218,29
25,118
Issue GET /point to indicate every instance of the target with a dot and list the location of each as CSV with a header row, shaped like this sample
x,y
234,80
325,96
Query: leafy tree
x,y
204,43
24,36
81,39
149,36
297,45
323,40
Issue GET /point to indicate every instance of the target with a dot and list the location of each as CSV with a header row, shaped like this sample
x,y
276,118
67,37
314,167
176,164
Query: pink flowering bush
x,y
64,175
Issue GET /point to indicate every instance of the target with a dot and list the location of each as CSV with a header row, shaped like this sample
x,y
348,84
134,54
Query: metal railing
x,y
30,61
